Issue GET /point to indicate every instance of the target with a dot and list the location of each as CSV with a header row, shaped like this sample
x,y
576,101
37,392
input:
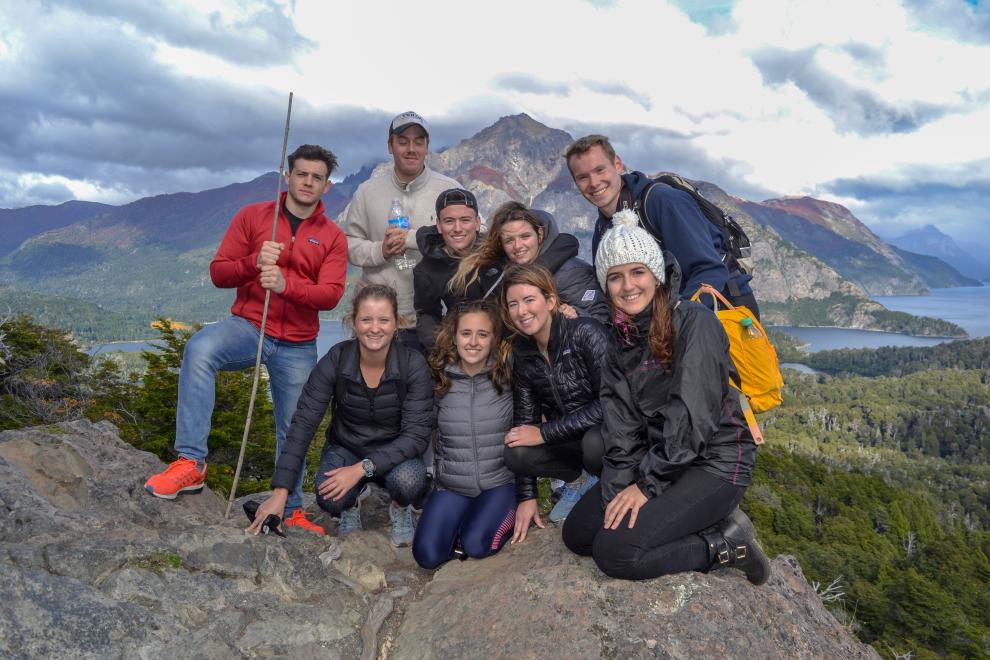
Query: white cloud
x,y
581,63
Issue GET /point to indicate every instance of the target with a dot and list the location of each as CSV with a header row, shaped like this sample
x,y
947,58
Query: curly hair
x,y
371,292
444,352
491,249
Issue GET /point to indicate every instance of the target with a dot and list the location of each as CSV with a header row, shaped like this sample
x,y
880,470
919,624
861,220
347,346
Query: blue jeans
x,y
481,524
231,345
406,482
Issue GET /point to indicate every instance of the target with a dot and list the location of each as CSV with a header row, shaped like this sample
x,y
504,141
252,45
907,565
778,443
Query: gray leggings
x,y
405,483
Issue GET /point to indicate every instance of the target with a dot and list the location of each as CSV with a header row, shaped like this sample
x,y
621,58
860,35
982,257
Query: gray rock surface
x,y
92,566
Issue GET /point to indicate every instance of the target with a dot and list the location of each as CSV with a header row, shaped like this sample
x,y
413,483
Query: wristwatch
x,y
369,468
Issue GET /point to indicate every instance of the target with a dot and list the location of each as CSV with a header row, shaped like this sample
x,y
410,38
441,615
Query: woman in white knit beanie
x,y
678,454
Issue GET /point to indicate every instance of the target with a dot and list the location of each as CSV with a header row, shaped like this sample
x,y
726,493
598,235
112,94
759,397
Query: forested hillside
x,y
890,360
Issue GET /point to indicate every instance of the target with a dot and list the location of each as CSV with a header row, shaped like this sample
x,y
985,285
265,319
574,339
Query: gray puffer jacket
x,y
472,420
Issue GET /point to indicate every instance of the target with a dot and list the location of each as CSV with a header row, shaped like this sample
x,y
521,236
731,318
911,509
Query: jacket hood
x,y
557,248
672,270
635,182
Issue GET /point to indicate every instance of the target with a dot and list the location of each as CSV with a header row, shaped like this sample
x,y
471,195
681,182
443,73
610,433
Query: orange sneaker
x,y
179,476
299,519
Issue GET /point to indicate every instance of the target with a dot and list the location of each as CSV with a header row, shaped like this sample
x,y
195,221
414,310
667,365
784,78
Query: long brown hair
x,y
444,352
491,249
372,292
661,334
532,274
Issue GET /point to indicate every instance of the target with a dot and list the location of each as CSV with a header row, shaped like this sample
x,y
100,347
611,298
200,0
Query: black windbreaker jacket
x,y
565,390
660,419
370,423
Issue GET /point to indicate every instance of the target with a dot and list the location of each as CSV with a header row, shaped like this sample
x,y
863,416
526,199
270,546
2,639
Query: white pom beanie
x,y
627,243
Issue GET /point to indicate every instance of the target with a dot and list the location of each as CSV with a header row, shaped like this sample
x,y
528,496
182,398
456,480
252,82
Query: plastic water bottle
x,y
751,331
397,218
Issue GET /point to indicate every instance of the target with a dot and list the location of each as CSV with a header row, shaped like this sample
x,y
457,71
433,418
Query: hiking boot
x,y
402,524
733,543
350,521
301,520
570,494
180,476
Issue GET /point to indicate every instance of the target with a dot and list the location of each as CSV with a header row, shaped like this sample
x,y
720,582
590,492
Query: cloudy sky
x,y
882,105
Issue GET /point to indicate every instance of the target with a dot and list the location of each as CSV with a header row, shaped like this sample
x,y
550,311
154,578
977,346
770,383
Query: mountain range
x,y
150,257
930,241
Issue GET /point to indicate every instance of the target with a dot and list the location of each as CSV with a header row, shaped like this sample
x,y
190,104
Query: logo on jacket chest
x,y
313,240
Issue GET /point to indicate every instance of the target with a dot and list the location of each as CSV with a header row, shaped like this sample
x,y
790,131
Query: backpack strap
x,y
639,206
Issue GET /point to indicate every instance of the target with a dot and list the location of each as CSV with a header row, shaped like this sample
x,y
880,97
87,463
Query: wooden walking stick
x,y
264,322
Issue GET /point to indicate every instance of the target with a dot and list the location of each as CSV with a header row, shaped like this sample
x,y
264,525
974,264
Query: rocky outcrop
x,y
92,566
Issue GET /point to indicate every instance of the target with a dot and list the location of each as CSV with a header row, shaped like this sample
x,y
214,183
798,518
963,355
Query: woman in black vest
x,y
382,396
472,510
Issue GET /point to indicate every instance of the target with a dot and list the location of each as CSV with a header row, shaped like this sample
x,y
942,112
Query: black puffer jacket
x,y
565,390
371,423
575,278
431,277
660,419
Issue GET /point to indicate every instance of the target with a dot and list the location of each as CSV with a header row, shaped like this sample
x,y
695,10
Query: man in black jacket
x,y
455,235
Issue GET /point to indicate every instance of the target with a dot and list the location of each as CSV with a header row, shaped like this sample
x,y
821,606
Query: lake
x,y
968,307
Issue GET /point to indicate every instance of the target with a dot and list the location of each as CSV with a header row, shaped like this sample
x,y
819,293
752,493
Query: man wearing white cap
x,y
387,252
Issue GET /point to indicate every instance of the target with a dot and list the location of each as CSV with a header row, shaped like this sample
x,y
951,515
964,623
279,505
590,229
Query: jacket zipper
x,y
474,440
553,387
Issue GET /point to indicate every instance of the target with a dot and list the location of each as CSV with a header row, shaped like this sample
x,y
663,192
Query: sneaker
x,y
402,524
301,520
350,521
569,496
180,476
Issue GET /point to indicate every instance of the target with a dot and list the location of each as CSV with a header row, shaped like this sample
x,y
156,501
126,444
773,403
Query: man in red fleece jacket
x,y
304,268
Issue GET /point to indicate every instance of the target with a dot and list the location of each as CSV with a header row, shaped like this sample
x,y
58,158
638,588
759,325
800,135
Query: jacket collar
x,y
455,371
315,215
350,361
416,184
558,328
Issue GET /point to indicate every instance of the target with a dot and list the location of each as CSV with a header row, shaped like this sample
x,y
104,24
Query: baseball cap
x,y
456,197
405,120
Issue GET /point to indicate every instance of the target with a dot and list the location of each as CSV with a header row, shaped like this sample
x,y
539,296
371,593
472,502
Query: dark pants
x,y
405,483
665,539
562,461
482,524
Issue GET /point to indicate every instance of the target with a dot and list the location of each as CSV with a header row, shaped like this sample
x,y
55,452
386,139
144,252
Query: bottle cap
x,y
746,322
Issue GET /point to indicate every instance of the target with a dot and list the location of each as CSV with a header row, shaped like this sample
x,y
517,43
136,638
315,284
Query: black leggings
x,y
562,461
665,539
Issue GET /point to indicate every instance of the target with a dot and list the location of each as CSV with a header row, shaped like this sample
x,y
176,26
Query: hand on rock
x,y
527,513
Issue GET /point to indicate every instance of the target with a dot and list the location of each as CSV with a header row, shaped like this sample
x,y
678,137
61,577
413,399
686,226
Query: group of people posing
x,y
498,358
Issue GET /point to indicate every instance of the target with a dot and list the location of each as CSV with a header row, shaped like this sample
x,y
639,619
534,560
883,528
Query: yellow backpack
x,y
754,356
